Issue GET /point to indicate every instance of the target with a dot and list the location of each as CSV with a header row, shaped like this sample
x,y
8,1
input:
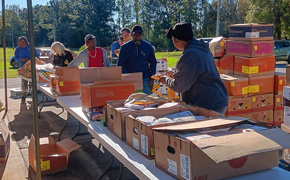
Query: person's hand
x,y
162,80
169,74
66,62
24,59
150,84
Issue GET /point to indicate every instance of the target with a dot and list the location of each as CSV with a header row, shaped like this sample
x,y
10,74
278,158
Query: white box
x,y
287,116
161,65
15,93
286,92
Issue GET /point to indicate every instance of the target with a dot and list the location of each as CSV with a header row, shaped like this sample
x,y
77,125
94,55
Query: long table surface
x,y
133,160
44,87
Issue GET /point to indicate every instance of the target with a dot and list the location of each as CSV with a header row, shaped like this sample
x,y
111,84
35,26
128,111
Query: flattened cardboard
x,y
135,77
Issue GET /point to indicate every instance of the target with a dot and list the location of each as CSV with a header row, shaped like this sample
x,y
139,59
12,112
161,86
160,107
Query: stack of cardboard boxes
x,y
161,68
250,58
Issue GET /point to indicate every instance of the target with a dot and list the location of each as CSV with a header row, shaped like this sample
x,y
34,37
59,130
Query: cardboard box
x,y
279,82
53,155
226,64
263,116
217,157
161,64
235,85
139,135
250,67
286,155
251,32
67,80
217,46
98,93
52,83
4,142
262,102
238,105
42,75
287,75
278,117
217,64
135,77
250,49
278,102
261,85
286,96
15,93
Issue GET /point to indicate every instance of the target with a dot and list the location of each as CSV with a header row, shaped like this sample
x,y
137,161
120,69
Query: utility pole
x,y
52,3
217,33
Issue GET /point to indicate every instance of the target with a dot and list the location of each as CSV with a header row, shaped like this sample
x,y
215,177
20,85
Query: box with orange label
x,y
52,84
278,102
235,85
279,82
200,150
278,117
250,67
250,49
261,85
262,102
263,116
67,80
53,155
238,105
217,64
226,64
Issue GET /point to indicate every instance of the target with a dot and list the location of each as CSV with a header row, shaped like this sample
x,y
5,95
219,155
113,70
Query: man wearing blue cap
x,y
138,55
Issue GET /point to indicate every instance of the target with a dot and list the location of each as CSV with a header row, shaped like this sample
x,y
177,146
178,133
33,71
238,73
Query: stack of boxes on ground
x,y
248,70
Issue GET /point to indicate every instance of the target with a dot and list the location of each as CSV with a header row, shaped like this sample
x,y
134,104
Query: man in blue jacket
x,y
138,55
196,76
22,55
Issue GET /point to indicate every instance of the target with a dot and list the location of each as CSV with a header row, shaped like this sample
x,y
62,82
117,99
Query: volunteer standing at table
x,y
92,56
196,76
22,55
138,55
61,56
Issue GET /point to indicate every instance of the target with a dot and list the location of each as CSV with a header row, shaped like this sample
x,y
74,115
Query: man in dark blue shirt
x,y
22,55
116,46
138,55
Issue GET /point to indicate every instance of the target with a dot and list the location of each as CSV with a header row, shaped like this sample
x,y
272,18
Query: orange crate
x,y
235,85
261,85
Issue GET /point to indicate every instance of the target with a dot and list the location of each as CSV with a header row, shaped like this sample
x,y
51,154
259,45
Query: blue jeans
x,y
146,89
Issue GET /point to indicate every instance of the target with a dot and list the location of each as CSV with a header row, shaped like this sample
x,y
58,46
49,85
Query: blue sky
x,y
23,3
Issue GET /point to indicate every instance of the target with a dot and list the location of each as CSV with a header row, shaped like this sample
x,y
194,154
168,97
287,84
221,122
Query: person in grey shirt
x,y
92,56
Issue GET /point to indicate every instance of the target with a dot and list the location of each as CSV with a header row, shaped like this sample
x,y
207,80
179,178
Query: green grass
x,y
171,57
11,73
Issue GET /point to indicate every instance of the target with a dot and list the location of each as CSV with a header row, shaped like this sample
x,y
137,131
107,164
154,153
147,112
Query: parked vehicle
x,y
282,50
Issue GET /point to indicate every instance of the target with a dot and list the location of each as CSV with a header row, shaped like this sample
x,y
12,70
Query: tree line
x,y
74,19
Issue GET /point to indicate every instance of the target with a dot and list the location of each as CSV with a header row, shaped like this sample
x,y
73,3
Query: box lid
x,y
93,74
67,73
68,145
196,125
109,83
227,77
229,147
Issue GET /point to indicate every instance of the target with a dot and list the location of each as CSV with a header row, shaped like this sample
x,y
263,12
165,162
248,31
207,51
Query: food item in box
x,y
96,113
181,116
162,121
148,120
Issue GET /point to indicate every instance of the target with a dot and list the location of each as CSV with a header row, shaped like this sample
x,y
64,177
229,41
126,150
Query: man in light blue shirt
x,y
22,55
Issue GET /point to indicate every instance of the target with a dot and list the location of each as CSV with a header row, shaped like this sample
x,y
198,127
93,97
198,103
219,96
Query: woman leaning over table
x,y
62,57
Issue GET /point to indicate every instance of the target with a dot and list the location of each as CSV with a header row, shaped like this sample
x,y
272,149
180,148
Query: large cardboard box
x,y
235,85
4,142
263,116
279,82
278,102
250,49
262,102
52,83
261,85
278,117
251,32
226,64
53,155
135,77
98,93
238,105
139,135
250,67
67,80
218,157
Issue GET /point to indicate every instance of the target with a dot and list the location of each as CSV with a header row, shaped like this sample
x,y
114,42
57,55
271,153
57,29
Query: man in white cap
x,y
92,56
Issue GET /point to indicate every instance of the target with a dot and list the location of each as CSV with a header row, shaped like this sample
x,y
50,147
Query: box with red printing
x,y
279,82
235,85
261,85
278,117
278,102
250,49
250,67
238,105
226,64
263,116
67,80
262,102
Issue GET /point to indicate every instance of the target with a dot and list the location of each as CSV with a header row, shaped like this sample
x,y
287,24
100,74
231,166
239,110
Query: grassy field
x,y
171,57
